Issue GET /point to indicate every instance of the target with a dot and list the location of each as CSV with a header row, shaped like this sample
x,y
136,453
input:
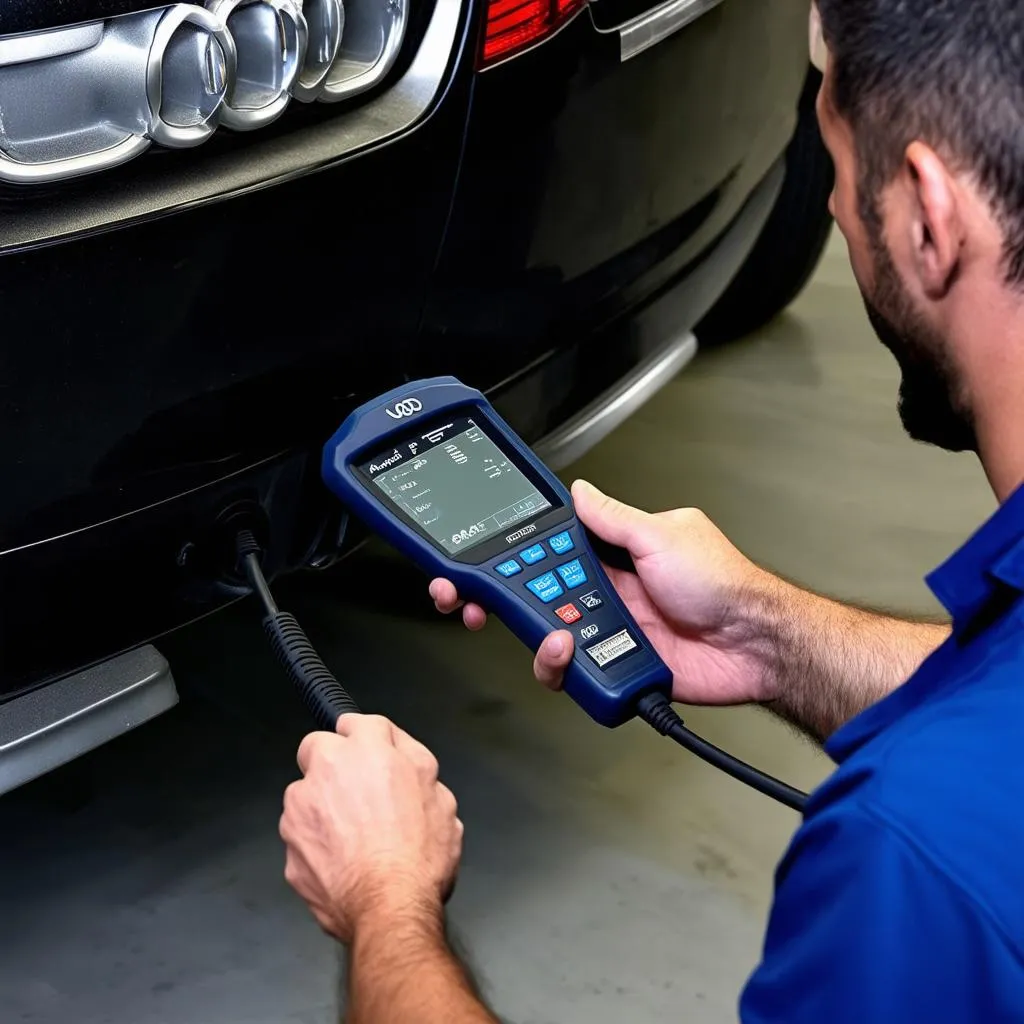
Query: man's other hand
x,y
370,831
695,596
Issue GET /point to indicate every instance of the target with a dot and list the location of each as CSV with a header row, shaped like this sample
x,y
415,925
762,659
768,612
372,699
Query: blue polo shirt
x,y
901,897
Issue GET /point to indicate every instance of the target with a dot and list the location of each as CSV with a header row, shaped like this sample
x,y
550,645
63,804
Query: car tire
x,y
792,241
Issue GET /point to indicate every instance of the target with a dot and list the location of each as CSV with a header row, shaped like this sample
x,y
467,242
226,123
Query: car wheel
x,y
787,252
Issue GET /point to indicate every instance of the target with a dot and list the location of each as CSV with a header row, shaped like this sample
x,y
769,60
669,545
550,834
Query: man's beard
x,y
929,404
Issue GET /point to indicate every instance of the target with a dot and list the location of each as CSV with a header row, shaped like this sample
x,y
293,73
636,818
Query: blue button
x,y
572,574
509,568
531,555
546,587
561,543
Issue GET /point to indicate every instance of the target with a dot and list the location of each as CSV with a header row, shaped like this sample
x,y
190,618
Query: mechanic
x,y
901,897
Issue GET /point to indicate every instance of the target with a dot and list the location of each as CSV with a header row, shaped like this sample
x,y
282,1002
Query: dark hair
x,y
947,72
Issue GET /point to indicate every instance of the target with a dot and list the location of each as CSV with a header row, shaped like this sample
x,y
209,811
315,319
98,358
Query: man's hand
x,y
371,834
695,596
731,632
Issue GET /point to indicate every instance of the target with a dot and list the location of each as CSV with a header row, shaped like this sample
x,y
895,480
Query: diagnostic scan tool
x,y
432,468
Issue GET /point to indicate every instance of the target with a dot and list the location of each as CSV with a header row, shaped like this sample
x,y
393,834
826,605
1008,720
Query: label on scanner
x,y
612,647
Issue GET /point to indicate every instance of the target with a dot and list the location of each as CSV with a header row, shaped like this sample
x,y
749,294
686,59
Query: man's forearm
x,y
832,660
402,971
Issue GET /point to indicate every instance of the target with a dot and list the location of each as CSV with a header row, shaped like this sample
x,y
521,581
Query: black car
x,y
223,226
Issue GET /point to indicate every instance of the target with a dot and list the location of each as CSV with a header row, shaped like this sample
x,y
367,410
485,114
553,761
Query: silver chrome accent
x,y
270,39
61,721
99,120
374,30
191,63
325,26
664,325
609,410
55,43
651,27
101,92
309,149
88,97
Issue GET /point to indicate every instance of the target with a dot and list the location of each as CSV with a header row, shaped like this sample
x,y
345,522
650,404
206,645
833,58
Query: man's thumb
x,y
612,520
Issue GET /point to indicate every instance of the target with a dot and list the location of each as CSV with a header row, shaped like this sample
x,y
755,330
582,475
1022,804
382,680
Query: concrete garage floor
x,y
608,876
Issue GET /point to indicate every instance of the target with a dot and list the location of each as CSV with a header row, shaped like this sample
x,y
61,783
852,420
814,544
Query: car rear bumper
x,y
74,599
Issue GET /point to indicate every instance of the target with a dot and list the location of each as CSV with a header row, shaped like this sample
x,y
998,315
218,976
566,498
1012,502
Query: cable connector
x,y
246,544
657,712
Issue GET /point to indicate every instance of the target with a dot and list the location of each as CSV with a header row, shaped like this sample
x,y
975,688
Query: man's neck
x,y
999,427
994,374
1004,476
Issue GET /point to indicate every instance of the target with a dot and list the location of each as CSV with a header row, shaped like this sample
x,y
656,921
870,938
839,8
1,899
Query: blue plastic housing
x,y
614,663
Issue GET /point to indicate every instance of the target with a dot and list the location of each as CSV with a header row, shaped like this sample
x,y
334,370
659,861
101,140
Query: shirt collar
x,y
970,578
989,563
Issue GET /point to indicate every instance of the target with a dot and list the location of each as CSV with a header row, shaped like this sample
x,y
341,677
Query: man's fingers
x,y
351,726
308,748
291,796
446,600
419,754
613,520
445,596
474,617
447,800
553,657
292,869
369,727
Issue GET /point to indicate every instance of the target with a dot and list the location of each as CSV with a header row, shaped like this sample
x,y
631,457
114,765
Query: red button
x,y
569,614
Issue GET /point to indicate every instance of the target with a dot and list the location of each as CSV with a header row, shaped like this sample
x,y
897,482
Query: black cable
x,y
656,710
258,583
327,699
323,695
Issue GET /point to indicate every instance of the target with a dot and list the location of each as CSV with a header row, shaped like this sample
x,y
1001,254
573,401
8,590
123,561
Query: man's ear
x,y
937,227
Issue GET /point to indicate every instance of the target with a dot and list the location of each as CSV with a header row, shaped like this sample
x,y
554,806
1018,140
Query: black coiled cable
x,y
322,694
327,699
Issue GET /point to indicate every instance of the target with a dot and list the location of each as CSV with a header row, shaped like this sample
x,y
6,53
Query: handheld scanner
x,y
432,468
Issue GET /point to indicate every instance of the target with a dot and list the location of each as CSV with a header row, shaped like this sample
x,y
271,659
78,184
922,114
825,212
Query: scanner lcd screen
x,y
456,484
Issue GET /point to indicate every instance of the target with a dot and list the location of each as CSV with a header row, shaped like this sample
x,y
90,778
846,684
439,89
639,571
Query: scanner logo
x,y
406,407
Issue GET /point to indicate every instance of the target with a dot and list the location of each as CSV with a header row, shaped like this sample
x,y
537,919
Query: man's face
x,y
931,405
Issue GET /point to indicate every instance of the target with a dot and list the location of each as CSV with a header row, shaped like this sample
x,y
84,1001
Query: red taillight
x,y
513,25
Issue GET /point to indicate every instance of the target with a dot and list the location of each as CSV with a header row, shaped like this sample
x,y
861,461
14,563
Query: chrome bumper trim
x,y
650,28
64,719
669,317
595,422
